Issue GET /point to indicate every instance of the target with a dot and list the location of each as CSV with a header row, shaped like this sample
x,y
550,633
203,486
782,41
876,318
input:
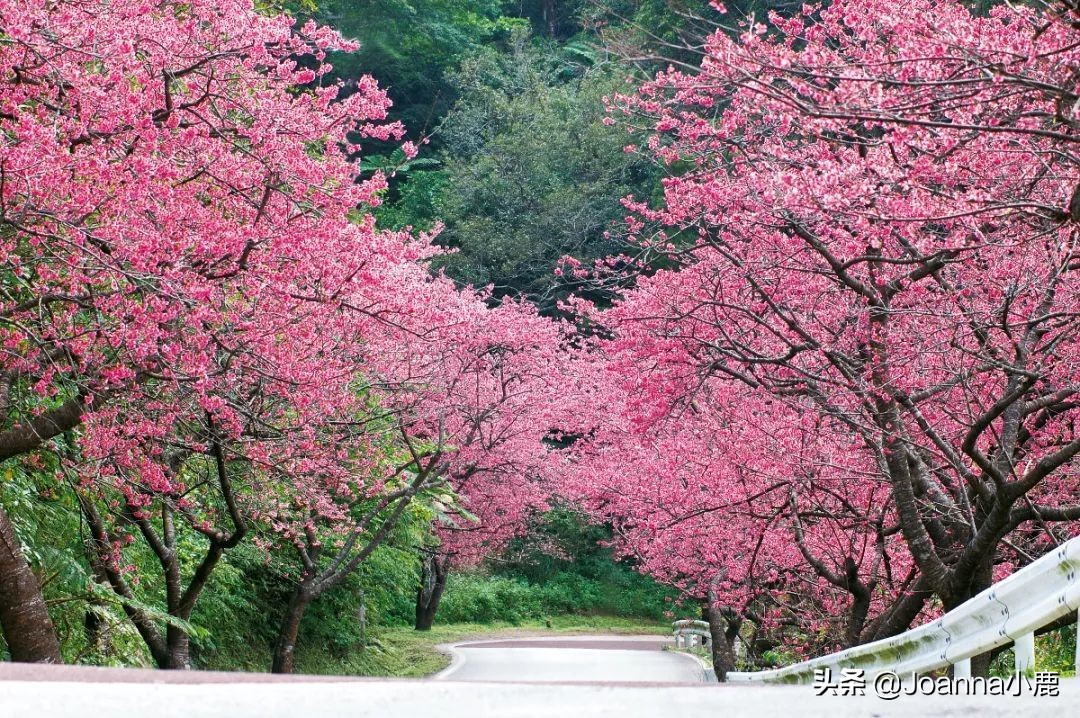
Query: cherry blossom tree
x,y
872,219
405,442
462,417
199,298
698,498
176,219
514,389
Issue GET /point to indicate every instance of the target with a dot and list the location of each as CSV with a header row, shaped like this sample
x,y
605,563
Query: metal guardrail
x,y
1010,611
689,634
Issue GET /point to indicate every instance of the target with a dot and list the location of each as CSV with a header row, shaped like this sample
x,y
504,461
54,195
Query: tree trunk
x,y
285,649
433,575
860,602
899,617
548,13
93,625
179,651
24,620
721,637
26,437
361,617
981,579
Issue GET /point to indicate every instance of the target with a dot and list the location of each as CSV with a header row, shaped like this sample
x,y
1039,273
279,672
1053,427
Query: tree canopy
x,y
783,298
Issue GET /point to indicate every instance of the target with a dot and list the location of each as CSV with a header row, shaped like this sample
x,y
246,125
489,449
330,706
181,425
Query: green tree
x,y
410,46
529,171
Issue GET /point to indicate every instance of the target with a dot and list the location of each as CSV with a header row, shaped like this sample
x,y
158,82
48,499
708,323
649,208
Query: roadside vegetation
x,y
402,652
559,579
529,315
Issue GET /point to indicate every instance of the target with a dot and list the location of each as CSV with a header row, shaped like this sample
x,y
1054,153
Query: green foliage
x,y
1054,651
410,45
562,540
558,19
89,621
521,168
480,598
395,163
656,32
530,172
474,598
237,611
560,568
414,46
417,202
245,600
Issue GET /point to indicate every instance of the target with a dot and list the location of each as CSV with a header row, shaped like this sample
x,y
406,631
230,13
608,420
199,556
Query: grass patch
x,y
401,652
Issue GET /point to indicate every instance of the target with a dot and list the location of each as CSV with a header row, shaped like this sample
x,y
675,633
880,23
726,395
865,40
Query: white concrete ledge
x,y
447,699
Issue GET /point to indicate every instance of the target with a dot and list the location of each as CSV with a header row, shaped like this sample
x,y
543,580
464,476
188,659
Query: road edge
x,y
707,674
457,660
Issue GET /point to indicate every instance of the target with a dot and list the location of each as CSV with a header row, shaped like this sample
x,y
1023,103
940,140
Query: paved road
x,y
64,691
575,659
450,699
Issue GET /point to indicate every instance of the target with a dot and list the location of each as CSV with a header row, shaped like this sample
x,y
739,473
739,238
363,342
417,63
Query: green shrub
x,y
1054,651
474,597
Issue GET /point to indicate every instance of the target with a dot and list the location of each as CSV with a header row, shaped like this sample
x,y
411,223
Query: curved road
x,y
572,659
628,677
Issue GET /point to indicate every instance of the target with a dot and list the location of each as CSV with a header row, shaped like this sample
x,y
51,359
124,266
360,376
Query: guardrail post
x,y
1024,653
910,679
962,669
